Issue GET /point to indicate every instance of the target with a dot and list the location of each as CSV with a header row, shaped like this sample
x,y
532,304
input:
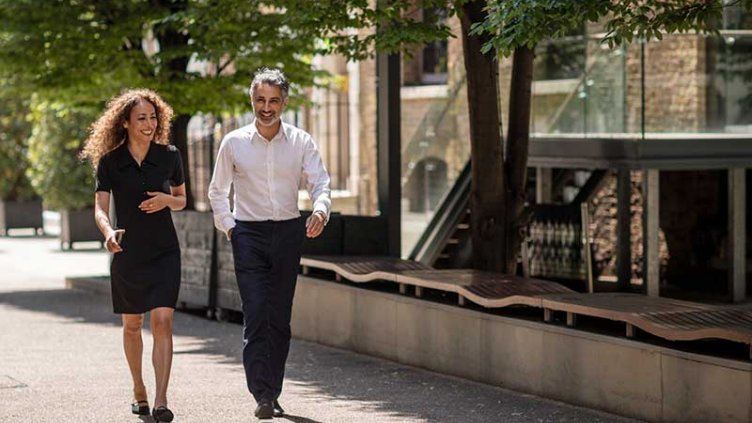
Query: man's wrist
x,y
321,214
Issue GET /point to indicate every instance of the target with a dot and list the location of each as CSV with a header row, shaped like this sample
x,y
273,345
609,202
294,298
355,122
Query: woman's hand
x,y
157,202
112,243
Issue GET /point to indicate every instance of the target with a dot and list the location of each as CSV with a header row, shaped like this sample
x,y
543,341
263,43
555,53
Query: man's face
x,y
268,104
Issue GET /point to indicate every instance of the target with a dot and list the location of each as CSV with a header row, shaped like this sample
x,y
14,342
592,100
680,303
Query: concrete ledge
x,y
613,374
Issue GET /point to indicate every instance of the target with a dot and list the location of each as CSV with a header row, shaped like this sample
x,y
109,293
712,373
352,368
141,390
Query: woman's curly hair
x,y
108,132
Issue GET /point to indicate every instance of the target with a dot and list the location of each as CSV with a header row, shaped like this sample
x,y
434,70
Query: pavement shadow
x,y
298,419
342,376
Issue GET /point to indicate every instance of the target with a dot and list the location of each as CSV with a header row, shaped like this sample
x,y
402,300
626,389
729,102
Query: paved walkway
x,y
61,361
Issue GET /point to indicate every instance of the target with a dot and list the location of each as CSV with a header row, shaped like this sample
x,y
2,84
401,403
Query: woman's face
x,y
142,123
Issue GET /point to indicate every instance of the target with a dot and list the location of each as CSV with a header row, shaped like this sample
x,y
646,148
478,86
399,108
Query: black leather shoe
x,y
162,414
264,410
278,410
140,408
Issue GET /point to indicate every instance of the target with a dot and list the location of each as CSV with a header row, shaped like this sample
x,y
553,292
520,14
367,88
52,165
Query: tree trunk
x,y
518,142
487,195
171,39
179,135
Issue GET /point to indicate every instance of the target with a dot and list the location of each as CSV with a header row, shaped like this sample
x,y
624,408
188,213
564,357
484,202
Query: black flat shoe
x,y
278,410
264,410
140,408
162,414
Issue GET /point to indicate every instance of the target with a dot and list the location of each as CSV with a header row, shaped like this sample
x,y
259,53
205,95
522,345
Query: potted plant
x,y
64,182
20,207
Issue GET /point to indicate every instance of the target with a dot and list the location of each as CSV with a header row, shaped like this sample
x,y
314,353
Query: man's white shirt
x,y
266,176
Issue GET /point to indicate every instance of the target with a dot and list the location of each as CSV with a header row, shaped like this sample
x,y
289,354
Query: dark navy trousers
x,y
267,258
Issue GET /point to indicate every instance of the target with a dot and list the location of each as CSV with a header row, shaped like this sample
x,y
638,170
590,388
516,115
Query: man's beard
x,y
269,121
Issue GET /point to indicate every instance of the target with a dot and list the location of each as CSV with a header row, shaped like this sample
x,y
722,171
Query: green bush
x,y
58,134
15,128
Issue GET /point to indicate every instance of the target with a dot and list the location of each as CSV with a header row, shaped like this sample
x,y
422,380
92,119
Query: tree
x,y
502,27
200,55
514,28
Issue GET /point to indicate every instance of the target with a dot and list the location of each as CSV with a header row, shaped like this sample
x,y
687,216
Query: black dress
x,y
146,274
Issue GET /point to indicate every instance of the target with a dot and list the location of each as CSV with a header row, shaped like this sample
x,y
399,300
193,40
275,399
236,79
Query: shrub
x,y
15,128
58,134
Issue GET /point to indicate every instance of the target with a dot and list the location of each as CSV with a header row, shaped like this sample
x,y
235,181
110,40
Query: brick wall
x,y
675,85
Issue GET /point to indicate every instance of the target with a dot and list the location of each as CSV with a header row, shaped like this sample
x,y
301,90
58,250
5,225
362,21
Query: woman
x,y
129,148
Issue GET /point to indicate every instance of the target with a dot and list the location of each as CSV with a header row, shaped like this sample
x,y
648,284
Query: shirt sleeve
x,y
102,177
317,179
219,188
177,177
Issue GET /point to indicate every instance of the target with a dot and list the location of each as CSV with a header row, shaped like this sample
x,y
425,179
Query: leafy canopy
x,y
519,23
199,54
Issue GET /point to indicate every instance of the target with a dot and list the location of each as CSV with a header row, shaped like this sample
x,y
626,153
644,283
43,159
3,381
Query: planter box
x,y
20,214
195,233
78,226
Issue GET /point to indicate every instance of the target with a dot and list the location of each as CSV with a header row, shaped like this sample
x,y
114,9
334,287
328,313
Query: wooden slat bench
x,y
487,289
674,320
361,268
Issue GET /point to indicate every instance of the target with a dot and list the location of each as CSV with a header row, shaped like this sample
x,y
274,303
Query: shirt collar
x,y
124,158
282,135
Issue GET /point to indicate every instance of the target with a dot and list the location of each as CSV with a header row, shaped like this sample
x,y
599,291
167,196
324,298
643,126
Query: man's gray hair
x,y
271,76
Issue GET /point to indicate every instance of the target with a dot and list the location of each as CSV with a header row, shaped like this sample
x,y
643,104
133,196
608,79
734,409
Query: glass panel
x,y
578,88
730,98
435,143
558,81
699,84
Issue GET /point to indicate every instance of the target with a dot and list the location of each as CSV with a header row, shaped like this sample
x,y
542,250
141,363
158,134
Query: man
x,y
266,162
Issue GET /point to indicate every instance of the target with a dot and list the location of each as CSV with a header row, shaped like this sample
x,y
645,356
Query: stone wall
x,y
195,230
627,377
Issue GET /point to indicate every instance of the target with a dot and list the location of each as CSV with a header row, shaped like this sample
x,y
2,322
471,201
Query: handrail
x,y
451,208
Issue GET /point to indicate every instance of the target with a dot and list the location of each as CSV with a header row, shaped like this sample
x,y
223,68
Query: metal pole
x,y
623,233
388,147
737,230
650,223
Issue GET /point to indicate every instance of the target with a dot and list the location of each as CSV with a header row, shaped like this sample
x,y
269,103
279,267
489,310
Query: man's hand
x,y
315,224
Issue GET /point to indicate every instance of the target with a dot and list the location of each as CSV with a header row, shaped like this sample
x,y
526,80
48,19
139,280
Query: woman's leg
x,y
161,329
134,350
